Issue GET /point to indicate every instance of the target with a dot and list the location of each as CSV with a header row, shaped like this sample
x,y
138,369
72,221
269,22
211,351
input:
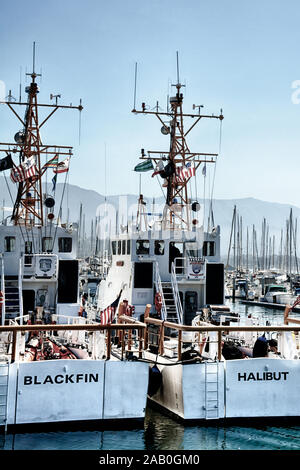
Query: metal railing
x,y
17,320
107,329
180,267
159,289
20,291
2,289
176,295
219,330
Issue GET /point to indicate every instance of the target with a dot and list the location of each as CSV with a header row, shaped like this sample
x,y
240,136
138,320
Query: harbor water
x,y
160,432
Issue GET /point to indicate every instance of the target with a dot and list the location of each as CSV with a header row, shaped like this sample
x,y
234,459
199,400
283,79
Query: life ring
x,y
158,302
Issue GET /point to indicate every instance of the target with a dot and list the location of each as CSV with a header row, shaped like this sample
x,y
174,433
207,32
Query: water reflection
x,y
163,433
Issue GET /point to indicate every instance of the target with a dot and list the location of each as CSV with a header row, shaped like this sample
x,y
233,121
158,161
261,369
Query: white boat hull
x,y
255,388
73,390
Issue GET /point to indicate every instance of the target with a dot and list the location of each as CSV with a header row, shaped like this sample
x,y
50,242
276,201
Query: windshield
x,y
278,289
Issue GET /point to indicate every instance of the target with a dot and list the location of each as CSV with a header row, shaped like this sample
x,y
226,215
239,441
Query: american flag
x,y
107,315
23,171
185,172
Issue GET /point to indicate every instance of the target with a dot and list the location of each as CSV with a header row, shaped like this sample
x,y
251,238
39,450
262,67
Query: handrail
x,y
200,328
87,326
20,291
181,267
159,289
141,327
176,295
2,290
211,328
131,320
16,319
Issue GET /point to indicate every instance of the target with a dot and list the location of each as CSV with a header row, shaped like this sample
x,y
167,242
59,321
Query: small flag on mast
x,y
144,166
63,166
158,169
52,163
26,170
54,182
185,172
107,315
6,163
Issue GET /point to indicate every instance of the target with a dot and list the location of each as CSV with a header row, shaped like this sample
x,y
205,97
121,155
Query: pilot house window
x,y
208,249
65,245
176,256
159,247
142,247
9,244
47,244
28,247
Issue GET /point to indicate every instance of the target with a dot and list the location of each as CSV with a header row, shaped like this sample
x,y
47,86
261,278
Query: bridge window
x,y
209,249
142,247
176,251
123,247
114,247
128,247
28,247
65,245
119,247
9,244
159,247
47,244
191,249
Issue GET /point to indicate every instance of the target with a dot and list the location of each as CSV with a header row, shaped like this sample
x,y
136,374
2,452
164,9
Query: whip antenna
x,y
177,67
134,95
79,128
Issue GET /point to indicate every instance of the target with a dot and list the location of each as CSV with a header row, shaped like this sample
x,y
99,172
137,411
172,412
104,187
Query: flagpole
x,y
204,202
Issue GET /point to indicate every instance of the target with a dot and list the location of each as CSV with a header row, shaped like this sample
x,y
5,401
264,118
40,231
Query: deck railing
x,y
159,289
2,290
128,328
205,329
176,295
20,278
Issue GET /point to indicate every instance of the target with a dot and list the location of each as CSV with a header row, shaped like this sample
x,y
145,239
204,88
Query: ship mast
x,y
177,207
28,206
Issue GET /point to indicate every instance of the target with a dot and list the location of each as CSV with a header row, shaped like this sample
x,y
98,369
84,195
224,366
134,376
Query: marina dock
x,y
268,305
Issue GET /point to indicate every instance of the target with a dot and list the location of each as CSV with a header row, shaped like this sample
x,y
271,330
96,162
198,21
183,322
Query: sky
x,y
243,57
